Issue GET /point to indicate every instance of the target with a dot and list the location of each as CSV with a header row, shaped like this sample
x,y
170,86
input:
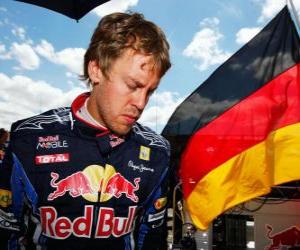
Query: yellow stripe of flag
x,y
247,175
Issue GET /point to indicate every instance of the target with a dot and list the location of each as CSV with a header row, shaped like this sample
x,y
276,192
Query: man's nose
x,y
140,100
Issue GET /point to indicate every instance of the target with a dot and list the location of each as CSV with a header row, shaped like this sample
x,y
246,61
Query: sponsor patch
x,y
115,140
5,198
107,224
160,203
50,142
54,158
92,180
48,138
141,168
144,153
157,216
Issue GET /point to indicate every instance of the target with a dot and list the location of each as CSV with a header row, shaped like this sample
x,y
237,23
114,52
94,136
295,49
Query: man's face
x,y
119,101
1,154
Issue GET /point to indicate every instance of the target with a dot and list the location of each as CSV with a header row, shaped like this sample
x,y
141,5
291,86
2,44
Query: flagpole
x,y
295,13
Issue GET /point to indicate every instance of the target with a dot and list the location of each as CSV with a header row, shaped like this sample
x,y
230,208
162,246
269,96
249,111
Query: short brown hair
x,y
119,31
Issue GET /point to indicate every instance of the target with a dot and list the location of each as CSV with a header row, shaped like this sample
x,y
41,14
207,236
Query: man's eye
x,y
131,86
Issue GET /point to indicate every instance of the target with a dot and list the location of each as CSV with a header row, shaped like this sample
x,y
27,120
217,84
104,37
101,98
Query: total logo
x,y
93,181
107,223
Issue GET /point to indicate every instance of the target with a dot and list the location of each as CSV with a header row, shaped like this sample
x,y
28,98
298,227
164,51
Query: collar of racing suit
x,y
105,138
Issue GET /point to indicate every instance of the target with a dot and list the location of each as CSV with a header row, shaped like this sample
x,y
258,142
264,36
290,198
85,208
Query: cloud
x,y
22,97
2,48
229,9
244,35
4,55
160,109
204,46
19,32
270,8
114,6
71,58
26,52
210,22
25,55
70,75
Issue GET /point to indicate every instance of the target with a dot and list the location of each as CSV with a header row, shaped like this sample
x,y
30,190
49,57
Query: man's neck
x,y
84,114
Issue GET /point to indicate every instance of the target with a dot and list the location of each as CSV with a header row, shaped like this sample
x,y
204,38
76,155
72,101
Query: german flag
x,y
238,133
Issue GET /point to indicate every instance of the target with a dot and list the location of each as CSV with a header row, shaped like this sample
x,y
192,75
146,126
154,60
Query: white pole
x,y
295,14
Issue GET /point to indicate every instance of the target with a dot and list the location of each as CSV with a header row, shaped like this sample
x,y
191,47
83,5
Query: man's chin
x,y
121,130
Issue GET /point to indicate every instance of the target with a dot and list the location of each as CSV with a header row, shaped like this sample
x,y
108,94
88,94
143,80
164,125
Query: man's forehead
x,y
138,59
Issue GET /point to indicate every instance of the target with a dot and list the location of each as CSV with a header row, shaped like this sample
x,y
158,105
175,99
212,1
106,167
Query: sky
x,y
41,51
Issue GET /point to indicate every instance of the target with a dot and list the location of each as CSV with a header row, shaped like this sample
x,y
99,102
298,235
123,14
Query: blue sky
x,y
41,51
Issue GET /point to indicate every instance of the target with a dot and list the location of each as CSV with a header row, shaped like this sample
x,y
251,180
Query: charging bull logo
x,y
118,185
95,184
286,238
76,184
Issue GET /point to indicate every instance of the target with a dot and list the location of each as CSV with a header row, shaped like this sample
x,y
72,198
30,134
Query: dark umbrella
x,y
75,9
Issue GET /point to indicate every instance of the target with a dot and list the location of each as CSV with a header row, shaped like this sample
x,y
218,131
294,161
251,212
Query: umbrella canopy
x,y
75,9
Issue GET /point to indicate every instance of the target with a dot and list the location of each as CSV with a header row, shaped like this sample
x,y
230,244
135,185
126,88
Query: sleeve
x,y
151,229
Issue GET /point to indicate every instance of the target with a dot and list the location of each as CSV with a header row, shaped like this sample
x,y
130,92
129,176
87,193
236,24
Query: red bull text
x,y
107,223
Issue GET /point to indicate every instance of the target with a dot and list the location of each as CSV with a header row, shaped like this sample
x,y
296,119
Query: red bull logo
x,y
94,180
118,185
107,223
49,138
76,185
289,237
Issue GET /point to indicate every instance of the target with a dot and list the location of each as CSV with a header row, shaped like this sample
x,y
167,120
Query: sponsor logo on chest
x,y
107,223
51,142
140,168
5,198
92,180
144,153
54,158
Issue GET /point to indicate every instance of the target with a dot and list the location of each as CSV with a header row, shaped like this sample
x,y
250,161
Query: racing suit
x,y
87,187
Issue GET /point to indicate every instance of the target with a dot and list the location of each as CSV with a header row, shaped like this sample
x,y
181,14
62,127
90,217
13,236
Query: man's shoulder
x,y
150,138
53,119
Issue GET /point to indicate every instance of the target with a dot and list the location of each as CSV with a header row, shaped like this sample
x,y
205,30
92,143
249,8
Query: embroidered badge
x,y
144,153
160,203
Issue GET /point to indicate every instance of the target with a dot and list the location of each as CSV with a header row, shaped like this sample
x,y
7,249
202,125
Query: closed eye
x,y
132,85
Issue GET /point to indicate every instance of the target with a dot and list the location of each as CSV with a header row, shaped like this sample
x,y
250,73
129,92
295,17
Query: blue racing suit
x,y
87,188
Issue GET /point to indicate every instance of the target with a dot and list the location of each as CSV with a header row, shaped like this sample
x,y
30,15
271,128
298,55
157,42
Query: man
x,y
4,136
91,173
5,195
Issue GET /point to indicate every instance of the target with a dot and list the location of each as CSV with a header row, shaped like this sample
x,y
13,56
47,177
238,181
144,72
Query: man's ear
x,y
95,72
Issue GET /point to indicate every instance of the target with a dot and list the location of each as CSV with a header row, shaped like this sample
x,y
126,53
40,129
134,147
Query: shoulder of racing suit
x,y
50,120
148,137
